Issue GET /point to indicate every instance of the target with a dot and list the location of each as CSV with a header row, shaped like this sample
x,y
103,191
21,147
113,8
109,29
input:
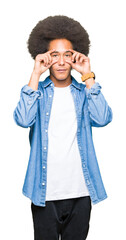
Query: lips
x,y
61,70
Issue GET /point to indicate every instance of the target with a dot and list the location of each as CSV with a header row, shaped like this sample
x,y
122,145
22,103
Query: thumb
x,y
71,63
53,62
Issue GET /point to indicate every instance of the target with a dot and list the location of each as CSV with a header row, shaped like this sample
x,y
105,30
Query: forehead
x,y
60,45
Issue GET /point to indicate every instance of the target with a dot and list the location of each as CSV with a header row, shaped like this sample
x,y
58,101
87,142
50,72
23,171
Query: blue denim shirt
x,y
33,110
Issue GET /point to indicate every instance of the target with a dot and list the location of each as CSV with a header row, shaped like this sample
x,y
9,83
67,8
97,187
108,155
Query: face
x,y
60,70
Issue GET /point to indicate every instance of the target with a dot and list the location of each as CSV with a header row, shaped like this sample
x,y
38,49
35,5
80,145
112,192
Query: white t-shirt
x,y
65,177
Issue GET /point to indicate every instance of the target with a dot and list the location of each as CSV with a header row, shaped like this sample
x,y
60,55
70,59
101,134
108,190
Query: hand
x,y
79,62
43,62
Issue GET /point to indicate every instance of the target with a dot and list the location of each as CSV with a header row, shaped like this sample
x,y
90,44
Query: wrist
x,y
89,82
83,73
36,74
34,80
87,76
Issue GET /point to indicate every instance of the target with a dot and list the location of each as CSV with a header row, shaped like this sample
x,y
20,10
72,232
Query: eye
x,y
68,55
55,55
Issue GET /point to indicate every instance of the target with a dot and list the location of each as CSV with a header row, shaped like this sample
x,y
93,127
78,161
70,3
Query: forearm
x,y
26,109
99,110
34,80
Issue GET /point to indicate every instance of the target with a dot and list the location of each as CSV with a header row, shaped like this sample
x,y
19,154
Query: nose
x,y
61,60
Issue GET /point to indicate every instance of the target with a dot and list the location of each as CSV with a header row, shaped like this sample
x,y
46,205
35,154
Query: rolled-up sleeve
x,y
26,109
99,111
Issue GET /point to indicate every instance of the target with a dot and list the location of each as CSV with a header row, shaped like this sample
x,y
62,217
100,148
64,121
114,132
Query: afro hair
x,y
57,27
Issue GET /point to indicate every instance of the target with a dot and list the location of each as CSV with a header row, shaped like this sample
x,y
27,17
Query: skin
x,y
61,79
60,55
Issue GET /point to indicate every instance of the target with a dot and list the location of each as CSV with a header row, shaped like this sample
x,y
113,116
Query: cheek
x,y
69,66
52,68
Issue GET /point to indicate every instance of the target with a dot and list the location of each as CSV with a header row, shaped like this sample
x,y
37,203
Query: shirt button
x,y
43,166
45,148
46,130
47,113
50,95
43,183
88,182
84,165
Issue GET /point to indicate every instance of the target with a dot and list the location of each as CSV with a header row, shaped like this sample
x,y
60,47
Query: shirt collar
x,y
48,81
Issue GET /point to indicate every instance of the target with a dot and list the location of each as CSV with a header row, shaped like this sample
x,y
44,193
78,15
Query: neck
x,y
61,83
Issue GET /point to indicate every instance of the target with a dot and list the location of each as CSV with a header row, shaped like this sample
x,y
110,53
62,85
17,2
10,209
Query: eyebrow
x,y
58,52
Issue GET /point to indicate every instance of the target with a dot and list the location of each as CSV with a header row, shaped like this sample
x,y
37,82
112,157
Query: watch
x,y
87,76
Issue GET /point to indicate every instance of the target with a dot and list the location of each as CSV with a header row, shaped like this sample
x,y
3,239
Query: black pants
x,y
69,218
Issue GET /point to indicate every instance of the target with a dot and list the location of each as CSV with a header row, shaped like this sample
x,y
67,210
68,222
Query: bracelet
x,y
87,76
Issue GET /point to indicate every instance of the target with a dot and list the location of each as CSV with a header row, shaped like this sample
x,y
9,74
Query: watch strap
x,y
87,76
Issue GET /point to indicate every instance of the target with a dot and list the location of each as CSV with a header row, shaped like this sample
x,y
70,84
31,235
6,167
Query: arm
x,y
99,110
26,110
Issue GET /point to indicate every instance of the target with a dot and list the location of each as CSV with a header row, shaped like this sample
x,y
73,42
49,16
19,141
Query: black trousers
x,y
68,218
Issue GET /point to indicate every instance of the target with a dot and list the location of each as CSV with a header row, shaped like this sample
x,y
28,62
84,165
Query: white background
x,y
105,23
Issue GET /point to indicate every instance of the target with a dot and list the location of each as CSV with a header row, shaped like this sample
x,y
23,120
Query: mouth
x,y
61,70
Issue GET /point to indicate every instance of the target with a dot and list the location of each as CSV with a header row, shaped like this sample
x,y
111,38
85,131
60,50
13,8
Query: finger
x,y
40,57
73,57
53,62
84,56
77,57
82,59
72,50
87,59
49,58
69,61
50,64
50,51
45,61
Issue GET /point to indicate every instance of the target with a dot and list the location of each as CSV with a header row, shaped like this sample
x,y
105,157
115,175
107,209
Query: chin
x,y
62,77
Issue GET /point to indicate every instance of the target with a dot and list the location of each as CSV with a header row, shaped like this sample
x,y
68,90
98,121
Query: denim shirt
x,y
33,110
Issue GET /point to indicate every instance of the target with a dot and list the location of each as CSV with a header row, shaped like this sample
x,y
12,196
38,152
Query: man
x,y
63,176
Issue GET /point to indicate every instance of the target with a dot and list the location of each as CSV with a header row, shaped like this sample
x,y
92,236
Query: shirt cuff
x,y
94,90
28,90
